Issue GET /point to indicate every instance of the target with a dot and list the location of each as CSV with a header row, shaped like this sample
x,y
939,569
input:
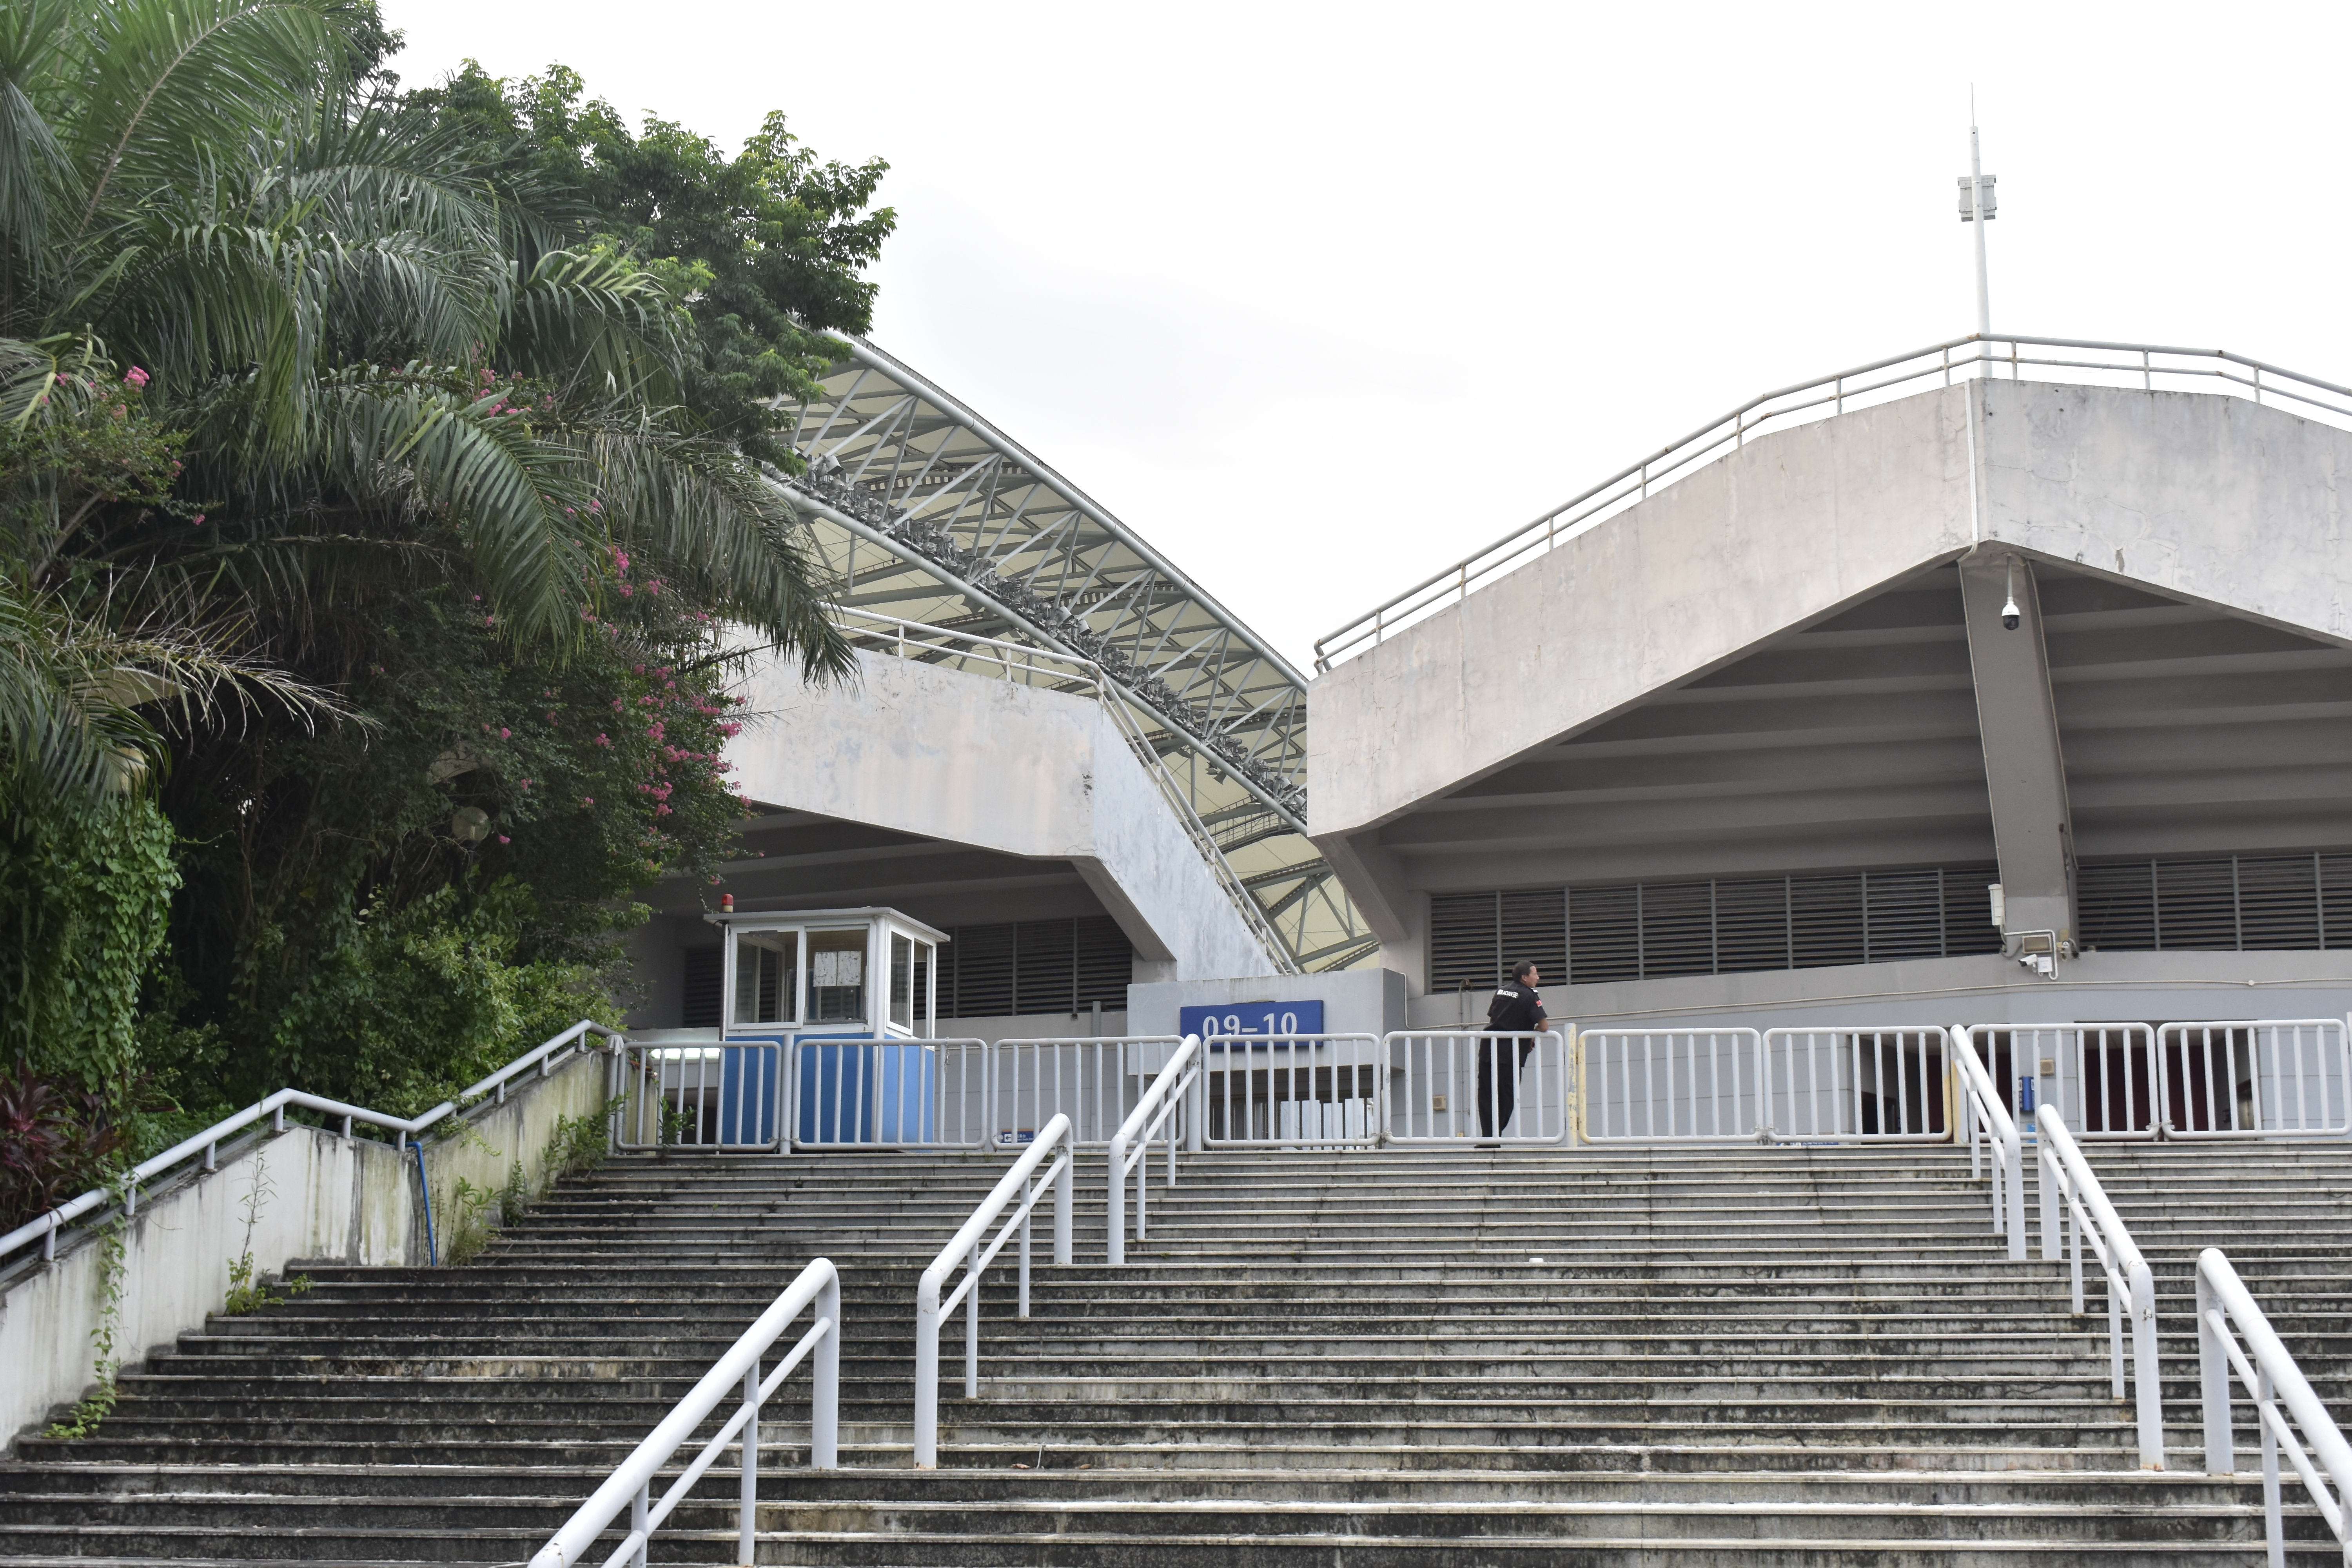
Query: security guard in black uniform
x,y
1516,1010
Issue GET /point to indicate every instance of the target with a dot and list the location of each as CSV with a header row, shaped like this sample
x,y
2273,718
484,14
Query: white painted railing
x,y
715,1097
1985,1121
1449,1085
541,1060
2068,1184
2258,1078
1094,1081
1293,1090
1672,1086
1881,1083
816,1291
2075,361
2234,1336
1026,1181
2104,1077
1173,1095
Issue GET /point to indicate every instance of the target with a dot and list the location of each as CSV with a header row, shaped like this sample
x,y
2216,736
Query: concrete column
x,y
2032,827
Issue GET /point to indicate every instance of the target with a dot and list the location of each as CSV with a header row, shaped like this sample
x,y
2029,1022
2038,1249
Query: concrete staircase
x,y
1694,1357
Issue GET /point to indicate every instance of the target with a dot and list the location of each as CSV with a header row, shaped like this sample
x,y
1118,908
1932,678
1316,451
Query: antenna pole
x,y
1978,214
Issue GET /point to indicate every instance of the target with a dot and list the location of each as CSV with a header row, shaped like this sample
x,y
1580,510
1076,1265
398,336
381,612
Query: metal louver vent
x,y
1106,962
2289,903
1651,931
699,1000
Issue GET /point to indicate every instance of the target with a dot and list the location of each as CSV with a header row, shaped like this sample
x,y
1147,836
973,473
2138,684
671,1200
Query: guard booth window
x,y
837,979
765,962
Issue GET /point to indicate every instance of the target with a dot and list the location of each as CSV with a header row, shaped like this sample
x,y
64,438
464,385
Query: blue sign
x,y
1273,1020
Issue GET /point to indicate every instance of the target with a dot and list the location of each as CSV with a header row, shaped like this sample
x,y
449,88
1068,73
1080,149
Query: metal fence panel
x,y
2268,1077
1882,1083
2103,1076
1444,1087
1265,1091
720,1096
1094,1081
889,1094
1670,1085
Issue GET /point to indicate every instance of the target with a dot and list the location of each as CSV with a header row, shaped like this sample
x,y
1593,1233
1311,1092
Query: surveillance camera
x,y
2008,615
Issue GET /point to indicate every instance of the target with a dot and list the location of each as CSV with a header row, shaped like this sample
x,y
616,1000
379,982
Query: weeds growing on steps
x,y
476,1214
246,1294
83,1419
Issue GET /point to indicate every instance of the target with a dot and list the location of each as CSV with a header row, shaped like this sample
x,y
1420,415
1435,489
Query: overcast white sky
x,y
1322,297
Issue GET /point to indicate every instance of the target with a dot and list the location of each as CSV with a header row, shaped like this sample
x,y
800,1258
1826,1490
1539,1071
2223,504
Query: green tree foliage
x,y
377,476
767,249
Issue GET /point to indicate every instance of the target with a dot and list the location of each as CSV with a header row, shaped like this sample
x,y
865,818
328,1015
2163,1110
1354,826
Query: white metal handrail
x,y
2066,1177
1984,1119
46,1229
2303,1088
2270,1379
1085,1075
965,1249
1452,1085
1172,1091
1879,1083
817,1289
1296,1090
2077,361
1648,1085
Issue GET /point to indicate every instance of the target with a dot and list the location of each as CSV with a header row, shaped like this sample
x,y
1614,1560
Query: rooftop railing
x,y
2075,361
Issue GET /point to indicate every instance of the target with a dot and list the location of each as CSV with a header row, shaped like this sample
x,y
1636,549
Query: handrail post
x,y
824,1391
2213,1380
2046,1176
2147,1377
926,1371
2013,1159
1115,1193
971,1326
1196,1107
747,1512
639,1505
1065,1190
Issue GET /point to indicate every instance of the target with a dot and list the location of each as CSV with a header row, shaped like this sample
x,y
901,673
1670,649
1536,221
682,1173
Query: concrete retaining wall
x,y
323,1198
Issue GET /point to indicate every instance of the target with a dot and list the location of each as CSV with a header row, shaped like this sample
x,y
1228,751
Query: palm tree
x,y
326,301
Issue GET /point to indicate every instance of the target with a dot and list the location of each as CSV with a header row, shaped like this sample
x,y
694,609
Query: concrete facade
x,y
321,1198
1793,662
958,799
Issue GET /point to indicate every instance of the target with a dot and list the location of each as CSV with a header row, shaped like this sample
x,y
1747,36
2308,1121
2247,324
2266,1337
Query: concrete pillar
x,y
2024,771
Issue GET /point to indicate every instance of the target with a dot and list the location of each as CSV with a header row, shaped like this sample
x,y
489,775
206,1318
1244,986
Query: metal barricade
x,y
1882,1083
889,1094
1670,1085
2103,1076
1447,1086
720,1096
1267,1091
2265,1077
1093,1081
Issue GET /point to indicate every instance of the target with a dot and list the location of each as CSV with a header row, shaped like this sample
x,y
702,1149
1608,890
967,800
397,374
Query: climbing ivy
x,y
83,1419
85,891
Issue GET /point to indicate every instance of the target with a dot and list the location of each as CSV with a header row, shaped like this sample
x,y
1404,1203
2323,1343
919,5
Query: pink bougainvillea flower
x,y
587,800
136,377
507,734
197,521
603,739
526,783
504,839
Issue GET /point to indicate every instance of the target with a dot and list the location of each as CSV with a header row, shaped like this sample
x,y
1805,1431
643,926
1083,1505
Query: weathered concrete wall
x,y
1788,529
2214,498
1002,766
323,1198
2159,987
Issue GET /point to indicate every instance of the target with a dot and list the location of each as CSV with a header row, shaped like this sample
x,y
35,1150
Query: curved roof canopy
x,y
929,512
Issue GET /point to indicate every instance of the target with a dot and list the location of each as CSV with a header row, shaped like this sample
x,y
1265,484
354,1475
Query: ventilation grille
x,y
1035,967
1651,930
700,1001
2291,903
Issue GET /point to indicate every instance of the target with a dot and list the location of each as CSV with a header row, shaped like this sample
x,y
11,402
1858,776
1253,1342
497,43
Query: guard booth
x,y
825,1024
